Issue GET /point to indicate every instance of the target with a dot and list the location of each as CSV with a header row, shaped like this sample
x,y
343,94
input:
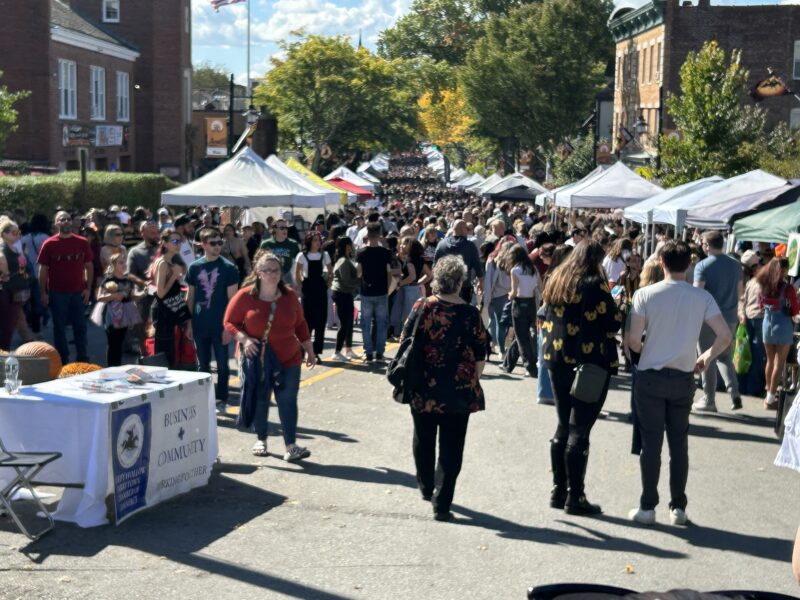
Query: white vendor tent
x,y
487,183
473,179
711,207
246,181
514,181
348,175
642,212
616,187
333,199
542,198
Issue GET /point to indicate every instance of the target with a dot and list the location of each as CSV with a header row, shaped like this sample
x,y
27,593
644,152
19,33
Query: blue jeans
x,y
286,399
497,330
376,307
205,342
543,387
67,308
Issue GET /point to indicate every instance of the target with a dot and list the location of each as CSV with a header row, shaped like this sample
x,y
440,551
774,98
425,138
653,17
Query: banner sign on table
x,y
216,137
130,439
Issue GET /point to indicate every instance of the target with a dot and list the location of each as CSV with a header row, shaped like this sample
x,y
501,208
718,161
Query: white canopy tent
x,y
642,212
515,180
486,183
458,175
333,200
473,179
346,174
712,206
246,181
542,198
615,187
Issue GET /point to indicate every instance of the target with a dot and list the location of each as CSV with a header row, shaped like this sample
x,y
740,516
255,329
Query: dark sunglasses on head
x,y
214,242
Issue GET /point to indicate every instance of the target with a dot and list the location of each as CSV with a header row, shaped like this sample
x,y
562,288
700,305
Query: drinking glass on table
x,y
12,386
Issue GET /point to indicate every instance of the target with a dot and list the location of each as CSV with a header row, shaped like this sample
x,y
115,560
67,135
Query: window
x,y
644,64
794,118
97,93
67,92
650,67
123,97
110,11
658,62
797,60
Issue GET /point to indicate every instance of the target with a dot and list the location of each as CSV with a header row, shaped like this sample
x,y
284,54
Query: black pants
x,y
315,310
575,418
523,314
116,340
438,478
663,402
344,310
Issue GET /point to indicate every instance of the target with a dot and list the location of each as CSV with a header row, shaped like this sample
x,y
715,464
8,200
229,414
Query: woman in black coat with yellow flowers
x,y
580,325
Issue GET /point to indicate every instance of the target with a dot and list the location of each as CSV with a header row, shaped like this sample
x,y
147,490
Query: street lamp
x,y
251,116
641,127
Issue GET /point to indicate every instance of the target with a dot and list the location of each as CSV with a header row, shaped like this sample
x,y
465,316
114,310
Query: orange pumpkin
x,y
42,349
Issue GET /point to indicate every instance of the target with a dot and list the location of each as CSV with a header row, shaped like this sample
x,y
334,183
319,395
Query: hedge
x,y
43,193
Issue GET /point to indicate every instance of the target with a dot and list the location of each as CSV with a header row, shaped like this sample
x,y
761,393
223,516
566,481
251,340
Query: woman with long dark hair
x,y
413,274
170,310
346,284
312,272
580,324
614,261
779,300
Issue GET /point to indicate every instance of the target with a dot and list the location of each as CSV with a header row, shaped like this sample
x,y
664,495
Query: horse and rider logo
x,y
129,441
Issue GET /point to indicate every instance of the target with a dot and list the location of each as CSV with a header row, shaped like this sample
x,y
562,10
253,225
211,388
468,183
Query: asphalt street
x,y
349,523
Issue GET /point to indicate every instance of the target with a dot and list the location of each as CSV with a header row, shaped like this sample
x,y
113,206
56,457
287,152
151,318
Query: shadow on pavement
x,y
381,475
718,539
597,541
179,530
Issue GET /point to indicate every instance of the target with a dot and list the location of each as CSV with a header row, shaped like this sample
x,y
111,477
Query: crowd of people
x,y
572,298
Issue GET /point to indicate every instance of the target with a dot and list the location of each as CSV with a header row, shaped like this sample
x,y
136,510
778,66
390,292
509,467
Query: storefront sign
x,y
216,137
77,135
108,135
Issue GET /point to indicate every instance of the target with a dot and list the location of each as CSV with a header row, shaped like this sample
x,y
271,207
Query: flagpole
x,y
248,49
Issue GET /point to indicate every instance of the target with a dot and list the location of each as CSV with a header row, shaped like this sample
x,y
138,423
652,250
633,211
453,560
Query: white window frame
x,y
794,118
67,89
97,93
123,97
110,4
796,62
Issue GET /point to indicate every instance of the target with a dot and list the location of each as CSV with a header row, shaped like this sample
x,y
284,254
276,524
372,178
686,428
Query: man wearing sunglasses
x,y
212,281
285,248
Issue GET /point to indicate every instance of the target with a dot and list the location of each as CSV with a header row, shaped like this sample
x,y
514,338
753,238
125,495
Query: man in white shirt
x,y
352,231
671,312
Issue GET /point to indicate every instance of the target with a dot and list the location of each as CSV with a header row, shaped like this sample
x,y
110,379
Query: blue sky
x,y
220,38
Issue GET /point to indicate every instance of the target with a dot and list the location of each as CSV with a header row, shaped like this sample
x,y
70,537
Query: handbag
x,y
590,379
405,369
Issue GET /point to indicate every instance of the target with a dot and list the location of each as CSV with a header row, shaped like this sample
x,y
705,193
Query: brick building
x,y
654,37
113,76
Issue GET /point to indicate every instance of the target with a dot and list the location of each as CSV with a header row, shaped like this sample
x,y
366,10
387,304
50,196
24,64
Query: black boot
x,y
558,496
577,456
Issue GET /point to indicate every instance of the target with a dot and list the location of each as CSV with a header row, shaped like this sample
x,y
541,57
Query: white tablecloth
x,y
59,416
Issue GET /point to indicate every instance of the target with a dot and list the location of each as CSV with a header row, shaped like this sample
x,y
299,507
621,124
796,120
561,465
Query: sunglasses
x,y
215,243
174,240
272,271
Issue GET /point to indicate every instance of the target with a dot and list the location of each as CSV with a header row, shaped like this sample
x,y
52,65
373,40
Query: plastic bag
x,y
742,355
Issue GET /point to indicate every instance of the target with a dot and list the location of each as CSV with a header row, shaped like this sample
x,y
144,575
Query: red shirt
x,y
249,314
65,259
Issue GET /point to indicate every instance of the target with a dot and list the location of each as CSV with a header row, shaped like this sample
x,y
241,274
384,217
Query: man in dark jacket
x,y
459,244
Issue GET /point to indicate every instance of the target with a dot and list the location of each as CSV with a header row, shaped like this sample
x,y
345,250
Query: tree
x,y
207,76
444,119
721,135
573,164
536,71
8,114
345,98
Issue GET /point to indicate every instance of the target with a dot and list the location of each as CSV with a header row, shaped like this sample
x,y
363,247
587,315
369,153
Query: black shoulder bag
x,y
590,379
405,369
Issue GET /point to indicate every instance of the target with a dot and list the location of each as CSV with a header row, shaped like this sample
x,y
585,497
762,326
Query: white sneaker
x,y
338,356
352,355
640,515
702,405
677,516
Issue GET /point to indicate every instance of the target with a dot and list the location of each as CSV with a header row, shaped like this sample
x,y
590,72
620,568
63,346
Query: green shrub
x,y
43,193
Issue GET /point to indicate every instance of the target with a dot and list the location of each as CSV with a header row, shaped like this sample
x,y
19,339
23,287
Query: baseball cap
x,y
114,208
749,258
181,220
163,211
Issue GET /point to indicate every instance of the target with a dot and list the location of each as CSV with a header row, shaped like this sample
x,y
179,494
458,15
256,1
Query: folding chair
x,y
26,465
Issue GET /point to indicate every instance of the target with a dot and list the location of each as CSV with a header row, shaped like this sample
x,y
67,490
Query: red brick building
x,y
654,37
112,76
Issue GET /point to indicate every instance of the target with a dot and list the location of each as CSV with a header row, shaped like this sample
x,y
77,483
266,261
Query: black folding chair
x,y
584,591
26,465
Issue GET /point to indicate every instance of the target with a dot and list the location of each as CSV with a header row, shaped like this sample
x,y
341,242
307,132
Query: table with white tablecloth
x,y
124,448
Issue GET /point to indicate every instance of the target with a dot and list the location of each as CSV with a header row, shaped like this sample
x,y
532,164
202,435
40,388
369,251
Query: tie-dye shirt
x,y
210,281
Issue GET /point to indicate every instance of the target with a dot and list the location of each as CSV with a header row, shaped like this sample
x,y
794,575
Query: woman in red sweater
x,y
266,318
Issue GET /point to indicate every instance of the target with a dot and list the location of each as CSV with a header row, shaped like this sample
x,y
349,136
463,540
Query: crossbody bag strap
x,y
268,328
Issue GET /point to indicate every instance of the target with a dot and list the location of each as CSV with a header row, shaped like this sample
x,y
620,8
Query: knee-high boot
x,y
577,456
558,495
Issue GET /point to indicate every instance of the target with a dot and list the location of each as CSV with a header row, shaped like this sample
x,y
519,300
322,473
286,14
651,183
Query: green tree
x,y
8,114
721,134
569,166
535,72
207,76
344,98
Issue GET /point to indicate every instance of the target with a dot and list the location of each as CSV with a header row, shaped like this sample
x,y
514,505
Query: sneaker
x,y
380,358
296,453
339,357
368,357
645,517
221,407
546,401
352,355
677,516
443,516
703,405
736,403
